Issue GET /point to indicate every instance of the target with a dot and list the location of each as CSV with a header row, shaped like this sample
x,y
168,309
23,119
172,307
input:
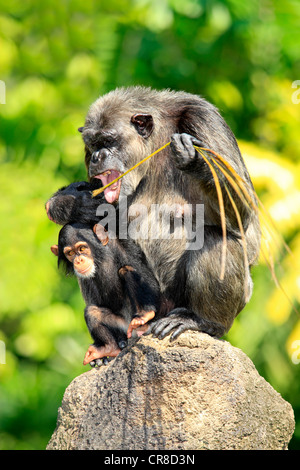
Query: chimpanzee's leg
x,y
108,332
207,303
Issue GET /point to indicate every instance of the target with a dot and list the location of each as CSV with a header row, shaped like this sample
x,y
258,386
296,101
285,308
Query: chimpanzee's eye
x,y
108,142
82,249
70,253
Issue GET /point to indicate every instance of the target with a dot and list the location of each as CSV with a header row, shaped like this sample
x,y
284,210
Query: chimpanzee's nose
x,y
96,156
99,155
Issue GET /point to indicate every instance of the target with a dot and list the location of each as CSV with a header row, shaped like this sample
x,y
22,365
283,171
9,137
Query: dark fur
x,y
125,126
116,293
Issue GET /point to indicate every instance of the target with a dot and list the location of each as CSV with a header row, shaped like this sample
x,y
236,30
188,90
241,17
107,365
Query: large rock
x,y
194,393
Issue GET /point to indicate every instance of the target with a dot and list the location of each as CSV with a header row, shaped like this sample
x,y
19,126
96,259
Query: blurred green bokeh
x,y
56,57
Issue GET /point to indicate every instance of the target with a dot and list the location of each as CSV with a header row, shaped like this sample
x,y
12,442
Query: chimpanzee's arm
x,y
75,203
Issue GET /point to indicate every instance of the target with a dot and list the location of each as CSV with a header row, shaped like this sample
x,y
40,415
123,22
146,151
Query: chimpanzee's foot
x,y
96,355
181,319
101,362
138,323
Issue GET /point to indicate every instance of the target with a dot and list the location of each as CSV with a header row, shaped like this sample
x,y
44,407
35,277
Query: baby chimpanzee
x,y
120,290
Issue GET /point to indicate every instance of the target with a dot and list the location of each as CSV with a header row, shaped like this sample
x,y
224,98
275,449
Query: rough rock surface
x,y
194,393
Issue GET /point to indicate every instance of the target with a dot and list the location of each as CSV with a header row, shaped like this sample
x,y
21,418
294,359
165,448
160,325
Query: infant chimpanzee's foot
x,y
101,362
139,323
99,355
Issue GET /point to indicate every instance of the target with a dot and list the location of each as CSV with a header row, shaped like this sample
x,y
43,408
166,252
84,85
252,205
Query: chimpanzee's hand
x,y
184,153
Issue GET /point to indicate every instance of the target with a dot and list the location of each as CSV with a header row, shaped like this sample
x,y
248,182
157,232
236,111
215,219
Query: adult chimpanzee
x,y
125,126
120,291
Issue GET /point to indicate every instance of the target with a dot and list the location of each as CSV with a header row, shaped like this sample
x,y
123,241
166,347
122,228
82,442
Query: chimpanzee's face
x,y
114,142
106,159
80,255
79,248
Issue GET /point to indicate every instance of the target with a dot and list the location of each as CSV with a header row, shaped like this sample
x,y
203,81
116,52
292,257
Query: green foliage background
x,y
56,57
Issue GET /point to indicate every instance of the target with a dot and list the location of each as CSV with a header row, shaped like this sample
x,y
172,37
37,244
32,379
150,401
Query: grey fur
x,y
189,280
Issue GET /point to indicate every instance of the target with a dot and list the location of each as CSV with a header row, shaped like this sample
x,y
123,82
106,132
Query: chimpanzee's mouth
x,y
88,271
111,193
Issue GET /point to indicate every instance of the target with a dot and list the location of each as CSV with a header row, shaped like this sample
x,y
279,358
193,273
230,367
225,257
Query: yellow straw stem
x,y
100,190
239,221
222,212
233,183
241,183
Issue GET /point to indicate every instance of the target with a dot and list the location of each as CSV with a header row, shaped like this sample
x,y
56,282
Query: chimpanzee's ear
x,y
101,233
54,249
143,123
